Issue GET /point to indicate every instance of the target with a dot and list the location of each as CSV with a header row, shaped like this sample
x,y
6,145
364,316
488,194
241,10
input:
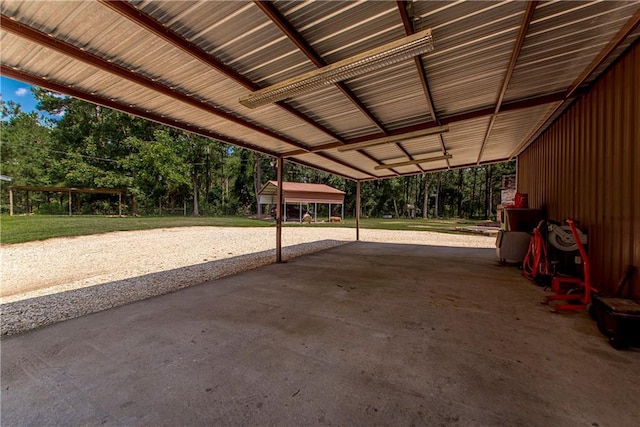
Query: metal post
x,y
279,210
300,212
119,204
329,212
70,207
343,210
10,202
315,212
357,210
28,204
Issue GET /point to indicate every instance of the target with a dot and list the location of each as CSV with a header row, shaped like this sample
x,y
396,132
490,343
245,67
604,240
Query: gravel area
x,y
58,279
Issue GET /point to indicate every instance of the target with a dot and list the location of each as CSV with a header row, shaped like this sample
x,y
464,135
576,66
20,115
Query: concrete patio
x,y
361,334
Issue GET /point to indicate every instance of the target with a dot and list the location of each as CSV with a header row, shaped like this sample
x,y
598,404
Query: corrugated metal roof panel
x,y
563,39
473,42
510,129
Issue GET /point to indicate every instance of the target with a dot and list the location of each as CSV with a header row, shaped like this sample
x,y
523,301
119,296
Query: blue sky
x,y
13,90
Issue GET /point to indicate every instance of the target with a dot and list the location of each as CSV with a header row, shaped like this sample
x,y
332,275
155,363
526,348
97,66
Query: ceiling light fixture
x,y
366,62
388,139
413,162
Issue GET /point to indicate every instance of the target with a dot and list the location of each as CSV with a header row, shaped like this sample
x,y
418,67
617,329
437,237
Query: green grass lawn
x,y
19,229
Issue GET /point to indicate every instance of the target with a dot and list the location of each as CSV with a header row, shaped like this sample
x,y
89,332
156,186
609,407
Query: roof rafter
x,y
460,117
522,32
408,29
70,50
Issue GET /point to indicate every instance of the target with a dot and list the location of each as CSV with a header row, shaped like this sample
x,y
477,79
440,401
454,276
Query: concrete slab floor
x,y
361,334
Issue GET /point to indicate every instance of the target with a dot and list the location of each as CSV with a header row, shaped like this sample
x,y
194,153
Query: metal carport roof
x,y
499,72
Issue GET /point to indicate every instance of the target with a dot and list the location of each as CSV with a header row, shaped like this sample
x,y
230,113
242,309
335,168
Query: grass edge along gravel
x,y
27,228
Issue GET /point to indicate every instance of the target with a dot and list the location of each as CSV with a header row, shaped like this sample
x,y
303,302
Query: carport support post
x,y
120,205
10,201
279,210
357,210
70,207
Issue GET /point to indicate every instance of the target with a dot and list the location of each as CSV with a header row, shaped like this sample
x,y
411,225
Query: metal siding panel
x,y
585,167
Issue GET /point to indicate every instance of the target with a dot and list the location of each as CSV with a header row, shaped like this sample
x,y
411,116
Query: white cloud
x,y
21,91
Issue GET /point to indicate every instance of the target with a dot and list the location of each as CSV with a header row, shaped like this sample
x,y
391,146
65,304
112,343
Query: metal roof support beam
x,y
574,90
279,209
130,12
408,29
357,210
468,165
468,115
67,49
340,162
522,32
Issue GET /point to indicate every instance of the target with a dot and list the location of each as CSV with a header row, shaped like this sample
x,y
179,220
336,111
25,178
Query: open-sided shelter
x,y
300,193
458,84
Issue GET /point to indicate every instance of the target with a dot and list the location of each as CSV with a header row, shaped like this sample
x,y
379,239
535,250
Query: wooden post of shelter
x,y
10,201
28,204
120,204
279,196
70,203
357,210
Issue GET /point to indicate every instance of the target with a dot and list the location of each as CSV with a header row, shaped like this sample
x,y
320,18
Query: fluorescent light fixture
x,y
366,62
413,162
388,139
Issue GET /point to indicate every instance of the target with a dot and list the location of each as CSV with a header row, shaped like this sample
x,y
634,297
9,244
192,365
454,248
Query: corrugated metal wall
x,y
586,166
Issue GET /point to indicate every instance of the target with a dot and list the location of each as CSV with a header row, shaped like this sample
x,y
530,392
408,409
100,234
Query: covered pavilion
x,y
301,193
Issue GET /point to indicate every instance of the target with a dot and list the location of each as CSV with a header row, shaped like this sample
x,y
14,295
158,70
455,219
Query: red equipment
x,y
583,297
535,263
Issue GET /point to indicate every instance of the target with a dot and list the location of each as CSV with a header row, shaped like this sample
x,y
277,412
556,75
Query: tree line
x,y
67,142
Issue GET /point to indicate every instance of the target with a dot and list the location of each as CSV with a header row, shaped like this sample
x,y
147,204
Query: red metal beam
x,y
45,40
447,120
130,12
468,165
408,29
522,32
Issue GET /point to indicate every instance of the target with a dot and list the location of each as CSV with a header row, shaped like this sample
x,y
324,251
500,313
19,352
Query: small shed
x,y
299,193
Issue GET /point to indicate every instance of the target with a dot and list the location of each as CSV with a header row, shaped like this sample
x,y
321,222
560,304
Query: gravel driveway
x,y
47,281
